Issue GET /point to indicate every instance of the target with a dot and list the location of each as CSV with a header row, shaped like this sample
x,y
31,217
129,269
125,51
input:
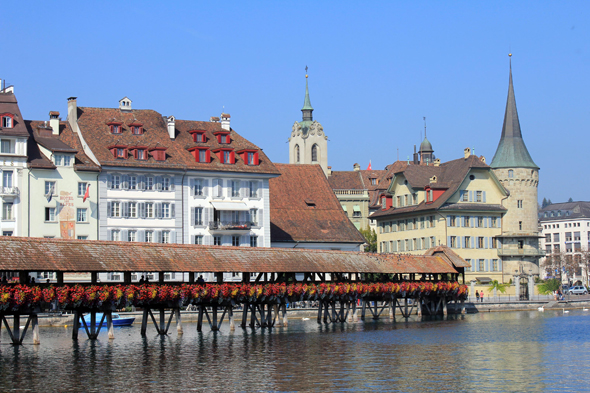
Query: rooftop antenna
x,y
424,126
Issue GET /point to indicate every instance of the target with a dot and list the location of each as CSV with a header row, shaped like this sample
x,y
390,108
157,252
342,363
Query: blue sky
x,y
375,70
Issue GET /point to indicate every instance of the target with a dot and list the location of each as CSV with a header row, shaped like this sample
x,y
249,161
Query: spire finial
x,y
307,108
424,126
305,72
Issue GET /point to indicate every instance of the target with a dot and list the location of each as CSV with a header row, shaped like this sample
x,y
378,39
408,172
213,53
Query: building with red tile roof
x,y
305,213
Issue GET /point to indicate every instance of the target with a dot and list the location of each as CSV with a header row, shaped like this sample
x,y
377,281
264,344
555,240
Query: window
x,y
199,240
82,188
235,188
133,182
421,222
132,210
115,235
120,152
510,173
494,242
480,242
198,137
464,196
297,156
253,241
481,265
217,240
6,146
399,201
50,214
253,189
166,210
7,179
452,221
149,236
49,188
467,241
494,222
373,182
314,153
218,188
254,216
556,248
149,183
6,122
432,241
58,159
141,155
116,184
556,237
82,237
519,204
202,155
7,211
407,198
431,222
520,225
67,160
166,237
198,187
250,156
415,198
198,219
235,241
116,128
478,196
453,242
81,215
480,222
548,238
131,236
226,157
521,244
136,130
149,210
115,209
568,236
383,203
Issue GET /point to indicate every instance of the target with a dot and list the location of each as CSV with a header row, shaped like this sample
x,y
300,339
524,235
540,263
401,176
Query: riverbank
x,y
56,319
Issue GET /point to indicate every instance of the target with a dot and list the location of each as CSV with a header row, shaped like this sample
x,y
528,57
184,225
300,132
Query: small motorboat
x,y
117,320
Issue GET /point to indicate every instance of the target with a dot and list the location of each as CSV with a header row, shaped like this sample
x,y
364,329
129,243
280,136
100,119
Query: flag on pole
x,y
369,168
87,193
49,195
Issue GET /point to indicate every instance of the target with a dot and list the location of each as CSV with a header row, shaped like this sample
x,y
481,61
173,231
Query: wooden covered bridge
x,y
270,278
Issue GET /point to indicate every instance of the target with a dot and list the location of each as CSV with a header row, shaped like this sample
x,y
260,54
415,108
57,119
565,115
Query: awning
x,y
356,208
235,206
484,280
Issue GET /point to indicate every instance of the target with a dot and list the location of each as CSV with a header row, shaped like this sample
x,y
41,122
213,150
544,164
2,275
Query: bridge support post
x,y
232,324
463,311
35,328
110,327
200,318
144,321
419,307
363,309
406,315
284,315
355,316
392,310
178,321
444,302
245,308
214,324
76,326
320,309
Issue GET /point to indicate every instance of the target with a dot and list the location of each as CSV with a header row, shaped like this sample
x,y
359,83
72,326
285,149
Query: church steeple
x,y
511,151
307,110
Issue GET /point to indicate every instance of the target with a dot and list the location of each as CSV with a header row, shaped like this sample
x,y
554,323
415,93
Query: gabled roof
x,y
569,211
66,142
303,208
449,175
448,255
93,123
8,104
346,180
21,253
511,151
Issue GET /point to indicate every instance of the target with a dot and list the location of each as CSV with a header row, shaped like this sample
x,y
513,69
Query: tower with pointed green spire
x,y
308,144
517,172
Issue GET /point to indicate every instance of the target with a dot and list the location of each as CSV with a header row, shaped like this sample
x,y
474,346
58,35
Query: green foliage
x,y
544,203
500,287
549,286
371,238
570,200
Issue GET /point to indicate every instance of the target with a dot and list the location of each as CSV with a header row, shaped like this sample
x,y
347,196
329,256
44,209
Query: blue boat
x,y
117,320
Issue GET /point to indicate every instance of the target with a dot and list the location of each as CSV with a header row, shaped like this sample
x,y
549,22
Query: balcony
x,y
9,191
524,252
230,225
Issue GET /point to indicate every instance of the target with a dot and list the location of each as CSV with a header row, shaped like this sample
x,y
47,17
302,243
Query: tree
x,y
559,263
549,286
371,238
495,286
544,203
570,200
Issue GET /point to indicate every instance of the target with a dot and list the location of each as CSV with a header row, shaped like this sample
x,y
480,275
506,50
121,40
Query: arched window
x,y
510,173
297,157
314,153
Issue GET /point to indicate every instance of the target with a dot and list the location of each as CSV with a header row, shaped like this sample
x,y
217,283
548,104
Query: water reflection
x,y
517,351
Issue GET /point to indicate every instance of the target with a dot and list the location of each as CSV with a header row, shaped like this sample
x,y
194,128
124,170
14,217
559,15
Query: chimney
x,y
214,119
357,167
73,112
467,152
225,121
171,122
433,179
437,162
482,159
416,159
54,122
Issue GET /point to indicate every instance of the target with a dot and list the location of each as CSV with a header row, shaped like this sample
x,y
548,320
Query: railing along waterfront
x,y
264,302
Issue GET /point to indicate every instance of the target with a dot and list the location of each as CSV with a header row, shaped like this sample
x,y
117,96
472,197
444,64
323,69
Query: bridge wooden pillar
x,y
191,277
245,277
127,278
219,277
161,277
23,277
60,277
94,278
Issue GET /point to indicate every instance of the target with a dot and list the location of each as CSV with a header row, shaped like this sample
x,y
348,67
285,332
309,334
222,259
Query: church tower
x,y
308,144
513,166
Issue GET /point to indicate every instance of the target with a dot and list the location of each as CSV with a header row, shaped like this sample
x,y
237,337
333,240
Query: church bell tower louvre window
x,y
297,154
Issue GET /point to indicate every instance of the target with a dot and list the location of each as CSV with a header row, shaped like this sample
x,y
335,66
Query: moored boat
x,y
117,320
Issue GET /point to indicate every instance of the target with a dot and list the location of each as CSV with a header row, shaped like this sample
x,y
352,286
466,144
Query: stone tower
x,y
513,166
308,144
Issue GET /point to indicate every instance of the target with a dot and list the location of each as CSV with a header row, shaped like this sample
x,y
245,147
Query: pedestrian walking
x,y
477,296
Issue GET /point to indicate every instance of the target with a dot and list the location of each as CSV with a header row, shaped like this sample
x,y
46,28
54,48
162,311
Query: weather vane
x,y
306,71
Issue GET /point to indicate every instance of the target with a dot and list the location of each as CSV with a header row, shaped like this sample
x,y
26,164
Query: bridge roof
x,y
39,254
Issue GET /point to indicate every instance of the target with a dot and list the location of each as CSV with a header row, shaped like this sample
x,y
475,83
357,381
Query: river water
x,y
510,351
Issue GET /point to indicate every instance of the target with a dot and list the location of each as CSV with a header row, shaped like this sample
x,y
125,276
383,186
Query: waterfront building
x,y
308,143
517,172
565,230
305,213
457,204
13,164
